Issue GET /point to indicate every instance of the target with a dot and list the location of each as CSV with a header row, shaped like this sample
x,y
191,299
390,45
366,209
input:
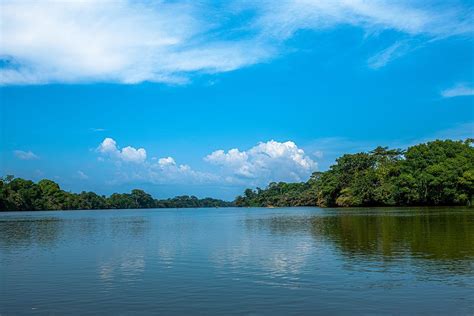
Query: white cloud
x,y
164,171
159,41
265,162
168,161
288,16
259,165
25,155
98,130
458,91
131,154
167,171
158,171
114,41
387,55
109,148
81,175
413,19
318,154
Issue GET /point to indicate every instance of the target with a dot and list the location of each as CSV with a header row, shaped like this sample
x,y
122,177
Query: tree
x,y
142,199
434,173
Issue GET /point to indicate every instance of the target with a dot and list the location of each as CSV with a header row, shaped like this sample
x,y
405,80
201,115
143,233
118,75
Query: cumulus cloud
x,y
160,41
168,161
109,148
267,161
25,155
263,163
157,170
133,155
459,90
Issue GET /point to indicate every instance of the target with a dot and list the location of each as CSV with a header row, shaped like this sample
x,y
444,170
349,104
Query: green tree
x,y
435,173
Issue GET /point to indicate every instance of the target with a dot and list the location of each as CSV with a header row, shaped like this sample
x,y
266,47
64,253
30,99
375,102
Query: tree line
x,y
17,194
429,174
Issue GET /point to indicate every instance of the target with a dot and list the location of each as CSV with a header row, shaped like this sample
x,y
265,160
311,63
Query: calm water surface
x,y
253,261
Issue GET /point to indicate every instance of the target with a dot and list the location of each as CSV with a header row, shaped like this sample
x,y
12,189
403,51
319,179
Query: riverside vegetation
x,y
431,174
17,194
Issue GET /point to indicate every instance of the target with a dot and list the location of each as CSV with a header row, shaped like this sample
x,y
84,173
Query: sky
x,y
207,98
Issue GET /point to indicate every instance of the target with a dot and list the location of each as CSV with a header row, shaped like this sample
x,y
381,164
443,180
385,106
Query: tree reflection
x,y
47,231
131,226
26,232
442,235
445,236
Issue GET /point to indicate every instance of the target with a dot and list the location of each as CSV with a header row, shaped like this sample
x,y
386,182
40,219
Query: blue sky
x,y
184,98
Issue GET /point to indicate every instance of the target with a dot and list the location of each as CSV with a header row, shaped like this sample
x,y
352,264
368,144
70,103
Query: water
x,y
253,261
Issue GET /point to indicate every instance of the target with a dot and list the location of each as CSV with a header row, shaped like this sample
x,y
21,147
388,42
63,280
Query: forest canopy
x,y
434,173
18,194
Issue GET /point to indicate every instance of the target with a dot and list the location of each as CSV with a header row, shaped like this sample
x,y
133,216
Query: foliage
x,y
435,173
17,194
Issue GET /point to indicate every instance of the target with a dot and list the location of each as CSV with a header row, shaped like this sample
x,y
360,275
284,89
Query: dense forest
x,y
435,173
18,194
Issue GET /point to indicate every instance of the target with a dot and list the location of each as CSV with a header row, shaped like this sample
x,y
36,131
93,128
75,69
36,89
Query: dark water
x,y
253,261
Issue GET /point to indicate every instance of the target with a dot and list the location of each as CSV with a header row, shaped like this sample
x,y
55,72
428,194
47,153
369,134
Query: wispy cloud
x,y
458,90
423,21
458,132
394,51
98,130
131,42
81,175
114,41
286,17
25,155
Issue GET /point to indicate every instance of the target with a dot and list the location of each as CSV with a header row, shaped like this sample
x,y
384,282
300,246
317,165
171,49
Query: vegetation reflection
x,y
443,235
25,232
384,234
